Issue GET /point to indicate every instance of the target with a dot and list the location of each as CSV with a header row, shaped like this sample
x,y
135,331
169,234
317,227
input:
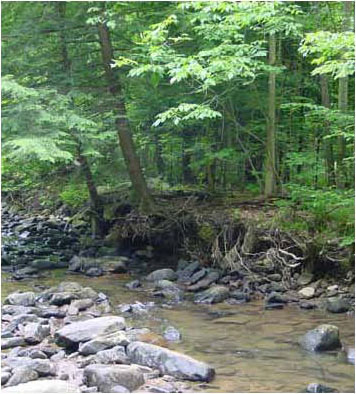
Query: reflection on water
x,y
252,349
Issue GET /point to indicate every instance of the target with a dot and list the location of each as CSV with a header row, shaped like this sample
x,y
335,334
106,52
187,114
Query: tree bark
x,y
124,133
270,168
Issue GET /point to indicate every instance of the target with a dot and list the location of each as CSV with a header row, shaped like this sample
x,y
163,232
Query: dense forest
x,y
239,100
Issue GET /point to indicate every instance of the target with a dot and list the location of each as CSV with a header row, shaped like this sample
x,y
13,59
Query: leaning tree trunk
x,y
97,214
270,168
124,133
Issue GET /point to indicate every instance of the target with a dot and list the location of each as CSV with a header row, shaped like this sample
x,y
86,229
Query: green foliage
x,y
74,194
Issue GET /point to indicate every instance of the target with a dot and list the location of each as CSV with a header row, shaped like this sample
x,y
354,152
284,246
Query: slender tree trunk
x,y
187,174
270,170
158,156
124,133
329,153
98,222
343,104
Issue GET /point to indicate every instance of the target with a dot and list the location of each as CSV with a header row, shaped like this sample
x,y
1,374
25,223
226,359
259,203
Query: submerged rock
x,y
172,334
72,334
105,377
337,305
169,362
324,337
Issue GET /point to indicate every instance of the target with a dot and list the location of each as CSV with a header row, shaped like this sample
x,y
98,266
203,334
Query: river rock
x,y
169,362
324,337
172,334
203,284
275,277
24,273
115,355
8,343
5,376
22,375
133,284
305,278
213,295
18,310
198,276
72,334
165,273
23,299
79,305
94,271
105,377
69,287
52,311
42,367
320,388
350,354
35,333
43,386
307,292
60,299
337,305
103,342
186,273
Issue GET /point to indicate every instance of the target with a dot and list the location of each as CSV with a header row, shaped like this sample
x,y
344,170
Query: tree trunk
x,y
270,169
187,174
98,222
343,104
329,153
133,165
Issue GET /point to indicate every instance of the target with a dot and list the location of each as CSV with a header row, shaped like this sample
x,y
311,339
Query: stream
x,y
251,348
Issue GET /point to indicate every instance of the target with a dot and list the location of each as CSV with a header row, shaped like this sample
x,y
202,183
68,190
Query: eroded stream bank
x,y
248,333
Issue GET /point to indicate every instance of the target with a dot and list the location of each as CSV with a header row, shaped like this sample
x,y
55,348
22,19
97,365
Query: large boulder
x,y
165,273
115,355
169,362
307,292
43,386
23,299
8,343
213,295
324,337
185,272
105,377
103,342
72,334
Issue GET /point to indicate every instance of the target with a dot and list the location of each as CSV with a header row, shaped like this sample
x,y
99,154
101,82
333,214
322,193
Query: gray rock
x,y
5,376
165,273
15,310
275,277
165,284
119,389
305,278
22,375
134,284
23,320
320,388
186,273
36,353
42,367
307,305
103,342
43,264
94,271
52,311
172,334
43,386
324,337
307,292
8,343
276,298
213,295
198,276
105,377
337,305
62,298
204,283
350,354
72,334
79,305
134,334
169,362
69,287
23,299
240,296
115,355
35,333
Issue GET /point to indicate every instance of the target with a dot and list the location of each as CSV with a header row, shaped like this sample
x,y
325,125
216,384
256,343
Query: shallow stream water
x,y
252,349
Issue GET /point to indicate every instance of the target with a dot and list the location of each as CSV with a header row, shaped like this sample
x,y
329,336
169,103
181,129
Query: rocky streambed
x,y
96,319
